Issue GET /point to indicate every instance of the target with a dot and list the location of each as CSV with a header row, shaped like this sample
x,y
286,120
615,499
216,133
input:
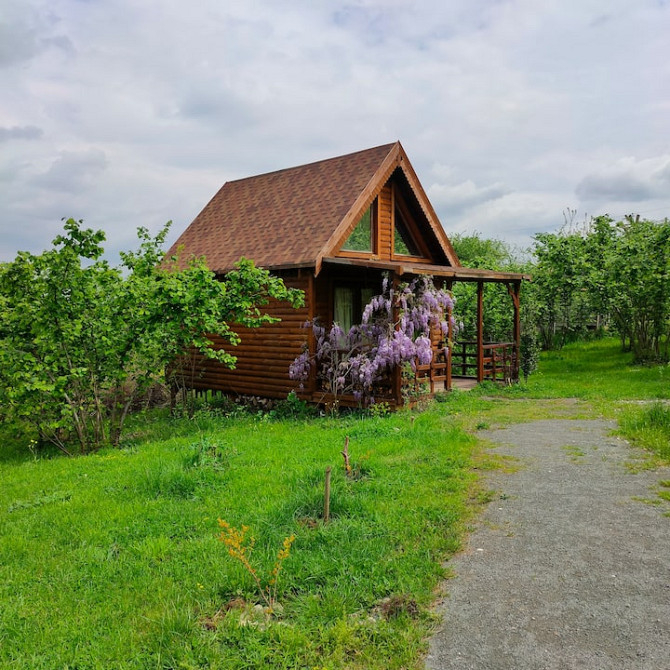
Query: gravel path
x,y
568,567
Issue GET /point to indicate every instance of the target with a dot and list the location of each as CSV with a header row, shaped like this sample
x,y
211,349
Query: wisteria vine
x,y
353,362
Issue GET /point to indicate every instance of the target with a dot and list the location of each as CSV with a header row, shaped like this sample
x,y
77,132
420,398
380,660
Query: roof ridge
x,y
388,145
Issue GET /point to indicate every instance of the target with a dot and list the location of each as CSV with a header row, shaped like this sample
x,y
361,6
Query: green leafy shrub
x,y
292,408
81,341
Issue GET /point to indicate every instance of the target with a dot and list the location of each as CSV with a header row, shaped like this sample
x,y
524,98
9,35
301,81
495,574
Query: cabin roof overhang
x,y
459,273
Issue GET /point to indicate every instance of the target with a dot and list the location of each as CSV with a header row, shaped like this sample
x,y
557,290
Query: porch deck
x,y
463,384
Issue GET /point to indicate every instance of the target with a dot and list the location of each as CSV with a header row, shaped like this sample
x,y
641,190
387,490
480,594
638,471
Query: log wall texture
x,y
264,354
385,214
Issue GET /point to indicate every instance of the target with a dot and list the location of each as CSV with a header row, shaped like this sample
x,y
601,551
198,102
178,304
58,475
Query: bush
x,y
81,341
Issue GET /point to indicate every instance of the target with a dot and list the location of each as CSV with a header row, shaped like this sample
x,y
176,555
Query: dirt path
x,y
568,568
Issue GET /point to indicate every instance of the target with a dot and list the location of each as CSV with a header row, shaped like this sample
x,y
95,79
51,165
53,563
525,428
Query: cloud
x,y
73,170
19,33
26,31
464,195
144,114
20,133
628,180
514,217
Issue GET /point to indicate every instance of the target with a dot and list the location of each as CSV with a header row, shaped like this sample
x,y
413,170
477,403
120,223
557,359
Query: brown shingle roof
x,y
281,218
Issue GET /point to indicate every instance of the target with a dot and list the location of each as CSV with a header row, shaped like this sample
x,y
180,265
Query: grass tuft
x,y
648,426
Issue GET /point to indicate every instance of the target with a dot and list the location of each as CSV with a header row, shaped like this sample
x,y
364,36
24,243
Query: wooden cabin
x,y
334,228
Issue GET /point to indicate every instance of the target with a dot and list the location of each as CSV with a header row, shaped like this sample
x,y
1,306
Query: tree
x,y
80,340
606,271
565,305
630,273
476,252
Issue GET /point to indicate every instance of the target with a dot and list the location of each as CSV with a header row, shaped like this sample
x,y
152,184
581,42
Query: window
x,y
348,304
343,307
403,242
361,237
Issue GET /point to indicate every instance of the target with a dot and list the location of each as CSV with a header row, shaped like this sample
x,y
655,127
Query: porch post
x,y
397,372
514,290
480,331
450,340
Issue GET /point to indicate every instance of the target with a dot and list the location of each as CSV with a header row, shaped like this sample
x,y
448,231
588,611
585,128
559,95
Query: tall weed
x,y
649,427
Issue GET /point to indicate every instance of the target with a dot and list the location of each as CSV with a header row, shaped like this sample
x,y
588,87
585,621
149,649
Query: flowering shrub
x,y
395,329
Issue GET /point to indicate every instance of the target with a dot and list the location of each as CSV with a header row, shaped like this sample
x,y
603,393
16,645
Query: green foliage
x,y
584,278
631,268
81,340
530,352
477,252
208,453
293,408
361,236
565,308
616,271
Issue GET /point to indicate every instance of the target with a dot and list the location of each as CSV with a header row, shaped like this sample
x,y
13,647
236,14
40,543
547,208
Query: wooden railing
x,y
499,361
437,374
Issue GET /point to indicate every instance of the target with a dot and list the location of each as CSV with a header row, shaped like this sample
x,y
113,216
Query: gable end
x,y
394,192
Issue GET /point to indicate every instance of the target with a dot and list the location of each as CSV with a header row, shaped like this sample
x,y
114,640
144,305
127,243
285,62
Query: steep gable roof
x,y
298,216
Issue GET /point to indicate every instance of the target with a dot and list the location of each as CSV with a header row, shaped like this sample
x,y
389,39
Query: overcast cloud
x,y
127,114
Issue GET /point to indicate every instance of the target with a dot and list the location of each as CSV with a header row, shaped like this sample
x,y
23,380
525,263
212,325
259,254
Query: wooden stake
x,y
326,498
345,455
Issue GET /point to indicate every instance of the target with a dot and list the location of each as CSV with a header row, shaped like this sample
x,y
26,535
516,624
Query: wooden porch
x,y
469,360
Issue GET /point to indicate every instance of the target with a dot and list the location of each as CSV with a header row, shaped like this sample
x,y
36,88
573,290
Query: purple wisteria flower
x,y
395,329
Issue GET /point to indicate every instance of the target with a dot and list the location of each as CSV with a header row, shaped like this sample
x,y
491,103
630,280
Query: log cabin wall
x,y
264,354
385,222
323,298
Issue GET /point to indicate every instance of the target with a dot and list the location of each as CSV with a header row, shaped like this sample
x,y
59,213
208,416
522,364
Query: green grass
x,y
648,426
585,380
597,370
603,376
112,560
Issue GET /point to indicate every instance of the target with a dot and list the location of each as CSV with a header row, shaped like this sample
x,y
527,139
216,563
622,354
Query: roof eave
x,y
459,273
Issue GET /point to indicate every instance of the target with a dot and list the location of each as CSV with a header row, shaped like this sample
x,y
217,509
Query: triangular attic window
x,y
403,242
361,237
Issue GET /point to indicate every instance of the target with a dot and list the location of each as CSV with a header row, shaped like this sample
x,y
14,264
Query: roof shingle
x,y
280,218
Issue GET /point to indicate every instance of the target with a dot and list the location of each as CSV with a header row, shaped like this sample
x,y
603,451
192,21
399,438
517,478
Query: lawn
x,y
113,560
598,370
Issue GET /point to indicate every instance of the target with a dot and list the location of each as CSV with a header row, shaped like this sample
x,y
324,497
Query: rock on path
x,y
568,568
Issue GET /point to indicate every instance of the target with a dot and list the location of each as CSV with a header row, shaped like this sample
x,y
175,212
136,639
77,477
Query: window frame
x,y
358,304
374,235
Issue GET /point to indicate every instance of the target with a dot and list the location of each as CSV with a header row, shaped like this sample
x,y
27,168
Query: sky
x,y
516,114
